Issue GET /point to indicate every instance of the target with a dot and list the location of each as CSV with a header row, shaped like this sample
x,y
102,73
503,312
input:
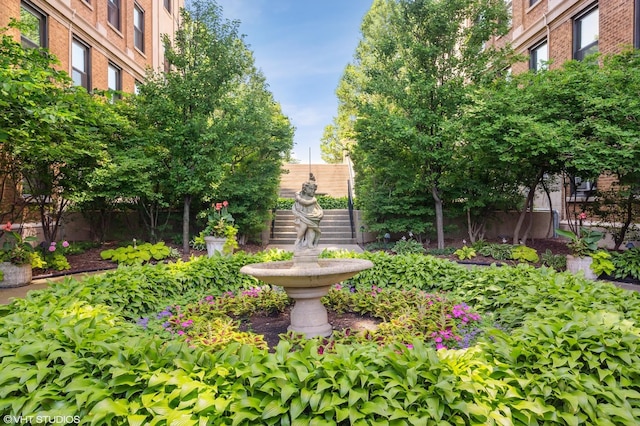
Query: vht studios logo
x,y
17,420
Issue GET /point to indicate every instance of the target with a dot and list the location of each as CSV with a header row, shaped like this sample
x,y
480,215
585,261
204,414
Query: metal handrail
x,y
350,205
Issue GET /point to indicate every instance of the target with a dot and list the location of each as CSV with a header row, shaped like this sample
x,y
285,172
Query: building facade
x,y
102,44
561,30
551,32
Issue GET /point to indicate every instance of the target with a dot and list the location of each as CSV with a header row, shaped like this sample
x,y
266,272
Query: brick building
x,y
550,32
102,44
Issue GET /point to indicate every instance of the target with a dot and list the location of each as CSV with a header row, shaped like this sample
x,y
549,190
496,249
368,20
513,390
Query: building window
x,y
581,187
167,5
585,34
114,80
113,13
138,27
35,32
80,64
532,2
539,56
136,87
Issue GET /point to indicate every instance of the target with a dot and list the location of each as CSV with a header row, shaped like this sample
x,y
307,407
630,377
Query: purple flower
x,y
165,313
143,322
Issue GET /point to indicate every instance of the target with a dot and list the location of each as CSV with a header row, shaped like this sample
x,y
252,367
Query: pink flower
x,y
440,346
65,244
225,203
582,216
52,247
7,227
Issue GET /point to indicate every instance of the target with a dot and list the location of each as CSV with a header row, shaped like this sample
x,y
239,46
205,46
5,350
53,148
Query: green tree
x,y
263,139
129,176
48,130
185,104
609,139
519,130
413,69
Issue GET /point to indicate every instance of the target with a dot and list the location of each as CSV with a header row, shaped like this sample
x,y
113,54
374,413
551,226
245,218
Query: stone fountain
x,y
307,278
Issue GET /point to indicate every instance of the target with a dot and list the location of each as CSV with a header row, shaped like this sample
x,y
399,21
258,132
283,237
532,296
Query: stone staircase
x,y
335,227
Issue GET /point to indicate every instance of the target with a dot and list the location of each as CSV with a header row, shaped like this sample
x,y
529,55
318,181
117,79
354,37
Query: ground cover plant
x,y
567,353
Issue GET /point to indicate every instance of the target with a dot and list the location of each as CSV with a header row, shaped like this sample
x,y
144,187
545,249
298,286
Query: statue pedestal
x,y
306,257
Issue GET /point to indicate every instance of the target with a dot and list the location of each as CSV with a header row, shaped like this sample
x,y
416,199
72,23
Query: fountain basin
x,y
307,283
289,274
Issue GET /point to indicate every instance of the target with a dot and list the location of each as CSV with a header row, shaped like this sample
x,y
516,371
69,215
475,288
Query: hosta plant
x,y
524,254
627,264
602,263
137,254
465,253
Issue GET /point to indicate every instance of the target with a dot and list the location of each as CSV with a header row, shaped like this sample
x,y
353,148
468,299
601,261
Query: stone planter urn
x,y
15,275
214,245
577,264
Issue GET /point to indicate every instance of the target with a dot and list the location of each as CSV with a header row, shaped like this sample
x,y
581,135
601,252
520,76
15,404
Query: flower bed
x,y
568,353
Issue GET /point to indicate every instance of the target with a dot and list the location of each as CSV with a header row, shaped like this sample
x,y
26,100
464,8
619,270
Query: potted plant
x,y
582,245
15,258
220,232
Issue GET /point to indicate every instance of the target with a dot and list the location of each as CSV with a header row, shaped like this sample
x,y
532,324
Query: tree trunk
x,y
439,216
523,213
185,227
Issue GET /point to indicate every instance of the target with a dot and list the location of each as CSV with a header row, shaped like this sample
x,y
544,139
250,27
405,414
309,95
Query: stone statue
x,y
308,214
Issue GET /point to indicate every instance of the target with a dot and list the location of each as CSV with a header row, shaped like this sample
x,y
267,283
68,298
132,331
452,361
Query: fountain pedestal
x,y
308,315
306,282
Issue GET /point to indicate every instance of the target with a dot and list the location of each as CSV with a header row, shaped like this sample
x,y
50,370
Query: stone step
x,y
335,227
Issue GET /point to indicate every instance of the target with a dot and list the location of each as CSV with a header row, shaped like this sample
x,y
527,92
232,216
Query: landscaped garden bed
x,y
553,348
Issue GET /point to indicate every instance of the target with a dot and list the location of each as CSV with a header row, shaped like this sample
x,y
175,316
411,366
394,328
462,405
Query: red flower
x,y
218,206
7,227
582,216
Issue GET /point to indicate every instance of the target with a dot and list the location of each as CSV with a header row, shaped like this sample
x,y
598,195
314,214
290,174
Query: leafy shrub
x,y
495,250
601,263
326,202
407,247
137,254
524,254
465,253
627,263
555,261
569,354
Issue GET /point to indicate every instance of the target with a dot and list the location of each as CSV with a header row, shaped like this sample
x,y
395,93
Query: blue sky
x,y
302,48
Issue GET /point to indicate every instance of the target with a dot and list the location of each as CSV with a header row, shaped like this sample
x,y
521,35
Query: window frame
x,y
534,61
167,5
42,26
118,80
579,53
87,63
138,33
114,13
